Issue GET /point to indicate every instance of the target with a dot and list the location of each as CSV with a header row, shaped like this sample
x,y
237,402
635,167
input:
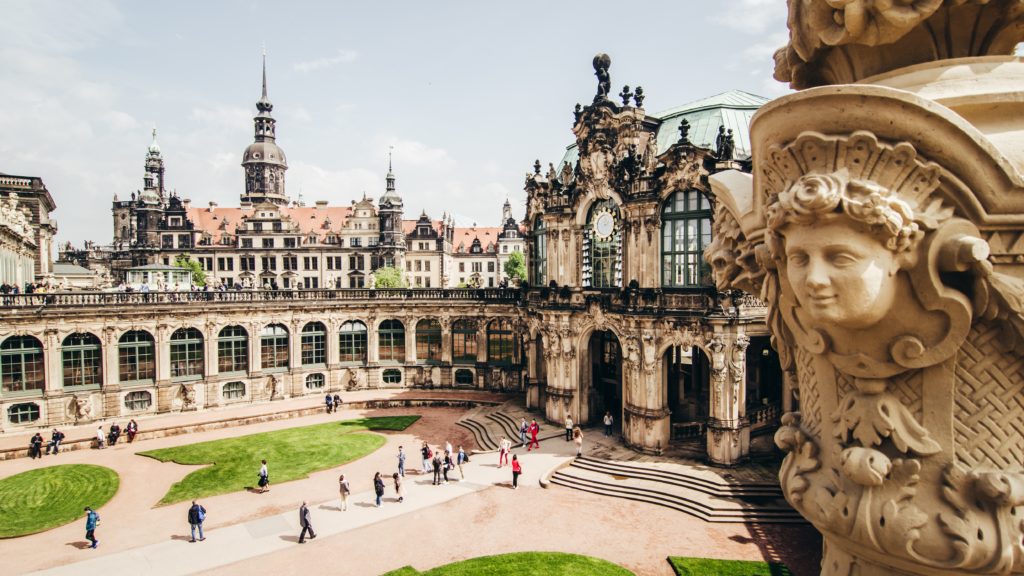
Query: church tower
x,y
264,161
392,237
153,179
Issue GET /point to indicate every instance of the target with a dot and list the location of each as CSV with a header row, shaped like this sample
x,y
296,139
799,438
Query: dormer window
x,y
175,221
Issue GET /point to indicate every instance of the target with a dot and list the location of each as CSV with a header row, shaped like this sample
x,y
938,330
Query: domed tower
x,y
263,160
392,237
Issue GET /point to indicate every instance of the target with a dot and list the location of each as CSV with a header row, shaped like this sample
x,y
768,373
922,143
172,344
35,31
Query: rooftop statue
x,y
604,80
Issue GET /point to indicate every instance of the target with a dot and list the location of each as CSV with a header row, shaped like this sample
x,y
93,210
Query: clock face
x,y
604,225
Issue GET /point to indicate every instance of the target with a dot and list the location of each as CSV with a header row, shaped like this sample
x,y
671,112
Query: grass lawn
x,y
523,564
291,454
48,497
700,566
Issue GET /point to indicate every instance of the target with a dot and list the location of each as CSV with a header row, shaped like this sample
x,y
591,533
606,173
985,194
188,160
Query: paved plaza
x,y
248,532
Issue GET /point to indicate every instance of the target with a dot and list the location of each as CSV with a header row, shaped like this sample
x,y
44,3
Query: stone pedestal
x,y
646,430
728,441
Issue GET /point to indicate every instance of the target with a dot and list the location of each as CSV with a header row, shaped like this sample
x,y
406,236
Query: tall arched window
x,y
539,256
602,246
21,364
352,340
314,344
82,360
500,344
135,358
685,231
232,350
464,341
391,341
428,341
274,347
186,354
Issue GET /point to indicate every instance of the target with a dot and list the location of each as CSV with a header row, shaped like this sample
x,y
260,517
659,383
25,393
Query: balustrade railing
x,y
99,298
688,430
764,416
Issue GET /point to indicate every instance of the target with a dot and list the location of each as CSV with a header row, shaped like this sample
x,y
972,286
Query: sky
x,y
467,93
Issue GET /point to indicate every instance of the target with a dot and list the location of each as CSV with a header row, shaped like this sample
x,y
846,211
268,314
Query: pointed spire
x,y
263,104
390,190
154,148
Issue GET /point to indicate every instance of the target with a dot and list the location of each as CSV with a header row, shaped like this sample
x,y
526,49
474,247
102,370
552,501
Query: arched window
x,y
138,400
135,359
499,342
23,413
391,346
315,381
233,391
602,246
464,341
352,340
186,354
274,347
232,350
428,341
685,231
21,365
464,377
392,376
314,344
82,360
539,255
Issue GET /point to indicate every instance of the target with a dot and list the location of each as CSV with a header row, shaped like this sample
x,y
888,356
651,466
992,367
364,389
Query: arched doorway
x,y
604,381
686,376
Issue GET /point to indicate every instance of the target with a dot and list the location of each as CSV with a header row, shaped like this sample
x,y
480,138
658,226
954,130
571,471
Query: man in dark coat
x,y
196,516
306,523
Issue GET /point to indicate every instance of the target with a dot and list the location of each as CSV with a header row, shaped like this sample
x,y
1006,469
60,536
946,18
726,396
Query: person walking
x,y
55,439
425,452
378,488
329,401
306,522
344,489
92,520
523,428
436,462
196,516
264,481
608,421
132,429
447,465
100,437
398,487
516,471
577,437
35,446
534,430
568,428
502,452
461,459
401,462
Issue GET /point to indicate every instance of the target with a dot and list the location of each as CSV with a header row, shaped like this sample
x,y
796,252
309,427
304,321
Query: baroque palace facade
x,y
619,313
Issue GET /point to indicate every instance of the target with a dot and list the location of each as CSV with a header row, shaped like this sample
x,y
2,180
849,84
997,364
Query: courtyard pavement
x,y
248,532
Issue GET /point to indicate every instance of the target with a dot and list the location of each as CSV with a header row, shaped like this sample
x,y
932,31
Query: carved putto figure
x,y
188,397
604,80
82,408
274,386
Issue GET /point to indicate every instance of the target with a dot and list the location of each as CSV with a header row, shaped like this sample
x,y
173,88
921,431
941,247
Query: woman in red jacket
x,y
516,471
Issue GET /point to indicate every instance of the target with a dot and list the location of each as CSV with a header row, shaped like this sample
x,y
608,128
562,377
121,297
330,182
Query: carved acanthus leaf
x,y
870,418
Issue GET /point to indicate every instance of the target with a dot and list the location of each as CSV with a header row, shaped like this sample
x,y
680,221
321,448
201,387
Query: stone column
x,y
410,341
646,422
255,360
728,434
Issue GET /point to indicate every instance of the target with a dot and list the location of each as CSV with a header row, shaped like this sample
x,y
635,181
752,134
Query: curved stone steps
x,y
484,442
691,501
507,425
709,486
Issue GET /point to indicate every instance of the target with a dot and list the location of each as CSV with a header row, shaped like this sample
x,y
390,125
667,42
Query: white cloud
x,y
751,16
339,187
343,56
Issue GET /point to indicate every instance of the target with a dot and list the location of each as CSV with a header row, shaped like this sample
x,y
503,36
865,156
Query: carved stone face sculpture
x,y
840,274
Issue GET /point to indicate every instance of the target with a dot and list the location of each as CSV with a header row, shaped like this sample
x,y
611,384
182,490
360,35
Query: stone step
x,y
484,442
693,502
508,426
712,485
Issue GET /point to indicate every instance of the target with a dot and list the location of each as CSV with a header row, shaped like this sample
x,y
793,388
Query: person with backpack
x,y
55,439
264,481
427,455
337,403
378,488
437,468
92,520
534,430
447,464
461,459
329,400
196,516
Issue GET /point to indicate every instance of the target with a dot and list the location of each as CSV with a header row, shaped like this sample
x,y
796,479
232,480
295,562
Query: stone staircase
x,y
488,424
705,496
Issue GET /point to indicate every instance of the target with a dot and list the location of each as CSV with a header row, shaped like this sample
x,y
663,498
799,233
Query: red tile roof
x,y
309,218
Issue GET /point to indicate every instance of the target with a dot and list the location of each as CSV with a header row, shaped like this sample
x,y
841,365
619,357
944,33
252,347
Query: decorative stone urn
x,y
884,228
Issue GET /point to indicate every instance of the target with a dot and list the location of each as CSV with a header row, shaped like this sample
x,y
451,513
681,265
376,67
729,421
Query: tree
x,y
388,277
515,266
198,276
